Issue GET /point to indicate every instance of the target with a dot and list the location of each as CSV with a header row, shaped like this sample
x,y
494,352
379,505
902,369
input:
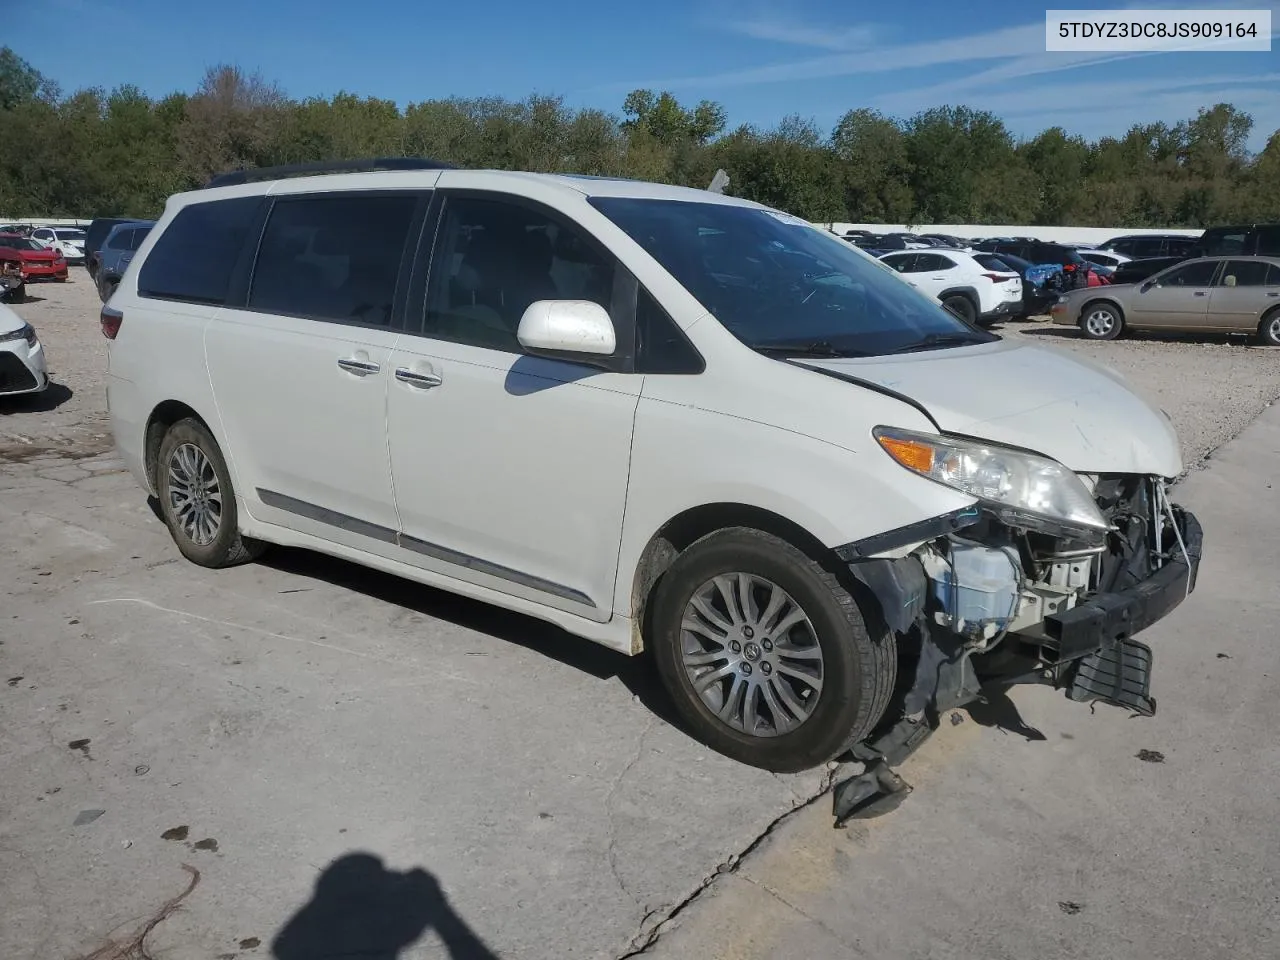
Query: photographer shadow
x,y
362,909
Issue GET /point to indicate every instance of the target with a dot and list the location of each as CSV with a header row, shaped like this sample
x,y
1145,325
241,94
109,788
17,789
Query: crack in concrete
x,y
609,811
761,885
645,940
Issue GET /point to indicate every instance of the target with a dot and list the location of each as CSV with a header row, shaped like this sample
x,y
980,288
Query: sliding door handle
x,y
362,367
415,379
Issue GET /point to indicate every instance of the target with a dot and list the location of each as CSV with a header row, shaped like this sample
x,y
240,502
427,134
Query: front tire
x,y
765,653
197,500
1101,321
962,307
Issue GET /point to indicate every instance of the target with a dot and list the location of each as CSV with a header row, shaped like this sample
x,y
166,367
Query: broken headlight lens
x,y
1022,489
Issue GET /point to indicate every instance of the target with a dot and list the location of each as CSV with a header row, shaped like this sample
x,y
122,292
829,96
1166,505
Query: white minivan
x,y
663,419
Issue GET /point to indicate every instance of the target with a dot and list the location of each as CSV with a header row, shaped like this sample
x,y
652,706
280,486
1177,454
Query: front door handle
x,y
415,379
1273,294
361,367
1200,293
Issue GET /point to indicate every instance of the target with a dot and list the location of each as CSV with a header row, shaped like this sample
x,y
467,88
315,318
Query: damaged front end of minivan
x,y
1046,578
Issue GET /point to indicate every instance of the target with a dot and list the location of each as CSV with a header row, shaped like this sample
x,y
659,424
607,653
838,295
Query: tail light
x,y
111,319
998,277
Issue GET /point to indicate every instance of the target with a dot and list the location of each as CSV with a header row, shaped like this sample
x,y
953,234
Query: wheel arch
x,y
969,293
686,528
1096,301
164,416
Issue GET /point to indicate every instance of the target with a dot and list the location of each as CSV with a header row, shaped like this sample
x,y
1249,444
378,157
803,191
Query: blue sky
x,y
763,59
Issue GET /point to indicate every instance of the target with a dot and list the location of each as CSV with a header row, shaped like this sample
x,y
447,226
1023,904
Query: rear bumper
x,y
1105,620
1005,309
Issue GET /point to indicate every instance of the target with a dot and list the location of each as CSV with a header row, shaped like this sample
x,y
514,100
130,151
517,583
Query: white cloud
x,y
803,35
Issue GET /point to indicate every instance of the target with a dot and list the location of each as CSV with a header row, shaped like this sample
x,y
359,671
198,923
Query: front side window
x,y
43,234
493,258
782,286
193,259
1244,273
1198,274
333,257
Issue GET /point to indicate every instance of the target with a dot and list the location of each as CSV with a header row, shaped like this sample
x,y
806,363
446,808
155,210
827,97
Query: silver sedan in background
x,y
1205,295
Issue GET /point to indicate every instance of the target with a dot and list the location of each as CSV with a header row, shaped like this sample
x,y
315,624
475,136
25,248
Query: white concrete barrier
x,y
972,231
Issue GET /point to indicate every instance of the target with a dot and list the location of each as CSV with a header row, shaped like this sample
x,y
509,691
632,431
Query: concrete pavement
x,y
277,719
1049,830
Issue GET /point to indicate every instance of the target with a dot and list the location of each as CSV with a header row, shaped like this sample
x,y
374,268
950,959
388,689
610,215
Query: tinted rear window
x,y
194,258
333,257
989,261
1269,241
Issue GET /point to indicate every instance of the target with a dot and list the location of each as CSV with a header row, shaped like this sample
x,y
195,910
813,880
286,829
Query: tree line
x,y
121,153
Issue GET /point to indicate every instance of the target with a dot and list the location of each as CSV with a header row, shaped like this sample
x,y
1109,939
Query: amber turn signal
x,y
910,453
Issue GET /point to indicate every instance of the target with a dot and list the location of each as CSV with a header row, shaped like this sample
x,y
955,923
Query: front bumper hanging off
x,y
1096,653
1088,649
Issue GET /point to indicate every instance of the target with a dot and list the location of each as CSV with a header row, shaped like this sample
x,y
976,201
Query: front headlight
x,y
25,332
1022,489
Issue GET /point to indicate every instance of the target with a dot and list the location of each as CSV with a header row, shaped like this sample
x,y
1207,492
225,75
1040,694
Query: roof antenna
x,y
718,182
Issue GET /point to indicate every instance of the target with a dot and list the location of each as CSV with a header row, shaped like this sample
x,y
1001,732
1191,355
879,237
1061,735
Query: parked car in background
x,y
116,253
1140,246
1255,239
1103,258
1202,295
743,450
1073,267
1035,298
69,241
973,292
12,286
34,261
94,234
22,361
945,240
1135,271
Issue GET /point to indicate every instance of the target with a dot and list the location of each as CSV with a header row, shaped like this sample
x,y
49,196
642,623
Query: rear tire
x,y
196,498
962,307
1101,321
806,681
1269,329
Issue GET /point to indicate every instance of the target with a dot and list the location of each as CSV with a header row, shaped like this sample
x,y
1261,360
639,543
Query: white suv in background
x,y
960,283
669,421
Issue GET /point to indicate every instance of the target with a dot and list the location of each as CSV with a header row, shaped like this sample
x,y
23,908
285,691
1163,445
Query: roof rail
x,y
258,174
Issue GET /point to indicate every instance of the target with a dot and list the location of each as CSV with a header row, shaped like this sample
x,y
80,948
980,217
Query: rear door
x,y
1178,298
300,370
511,470
1241,294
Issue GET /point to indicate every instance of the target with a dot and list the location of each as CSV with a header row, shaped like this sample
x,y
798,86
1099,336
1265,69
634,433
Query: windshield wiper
x,y
805,348
935,341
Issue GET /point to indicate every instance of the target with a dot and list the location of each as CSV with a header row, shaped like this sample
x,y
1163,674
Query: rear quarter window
x,y
193,259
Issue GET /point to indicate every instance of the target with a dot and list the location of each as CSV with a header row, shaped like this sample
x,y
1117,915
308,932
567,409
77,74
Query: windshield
x,y
76,236
780,285
20,243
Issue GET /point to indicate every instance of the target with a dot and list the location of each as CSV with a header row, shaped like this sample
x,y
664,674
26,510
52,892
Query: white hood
x,y
1081,414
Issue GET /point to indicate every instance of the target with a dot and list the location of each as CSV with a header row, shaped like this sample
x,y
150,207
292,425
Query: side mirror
x,y
1229,280
1147,285
575,330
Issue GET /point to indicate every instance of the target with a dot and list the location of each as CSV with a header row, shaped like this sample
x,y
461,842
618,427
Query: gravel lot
x,y
1211,388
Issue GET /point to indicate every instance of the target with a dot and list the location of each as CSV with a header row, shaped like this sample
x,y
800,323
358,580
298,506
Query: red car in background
x,y
34,262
